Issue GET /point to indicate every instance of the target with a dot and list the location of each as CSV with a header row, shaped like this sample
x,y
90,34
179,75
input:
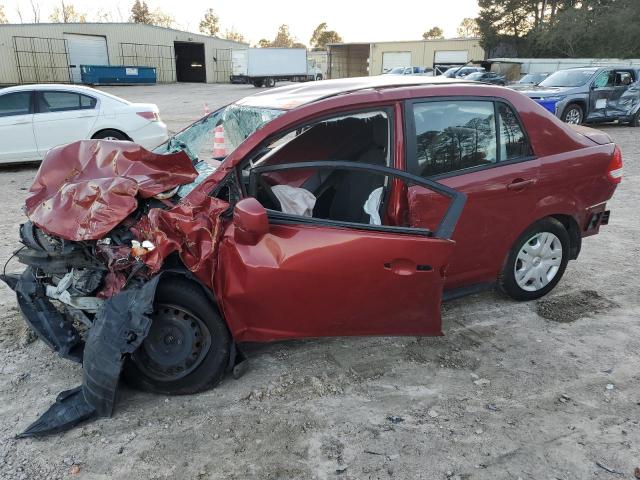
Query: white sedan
x,y
35,118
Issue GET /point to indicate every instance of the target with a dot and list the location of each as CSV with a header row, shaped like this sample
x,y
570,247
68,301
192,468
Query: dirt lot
x,y
540,390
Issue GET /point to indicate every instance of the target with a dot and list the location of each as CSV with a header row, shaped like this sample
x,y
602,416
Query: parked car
x,y
36,118
272,232
487,77
410,71
591,94
461,72
529,79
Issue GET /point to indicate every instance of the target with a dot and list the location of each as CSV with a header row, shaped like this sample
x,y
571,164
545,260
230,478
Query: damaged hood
x,y
85,189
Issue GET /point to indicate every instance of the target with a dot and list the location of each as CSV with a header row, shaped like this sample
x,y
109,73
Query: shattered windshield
x,y
212,138
568,78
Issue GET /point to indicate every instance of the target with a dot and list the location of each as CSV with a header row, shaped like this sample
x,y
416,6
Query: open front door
x,y
335,269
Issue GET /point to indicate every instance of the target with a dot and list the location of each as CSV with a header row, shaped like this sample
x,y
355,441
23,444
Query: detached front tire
x,y
536,261
187,348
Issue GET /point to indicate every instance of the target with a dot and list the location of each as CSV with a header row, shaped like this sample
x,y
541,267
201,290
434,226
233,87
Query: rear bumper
x,y
151,135
596,216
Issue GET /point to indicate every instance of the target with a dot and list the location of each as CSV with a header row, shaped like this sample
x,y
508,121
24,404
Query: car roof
x,y
63,87
295,95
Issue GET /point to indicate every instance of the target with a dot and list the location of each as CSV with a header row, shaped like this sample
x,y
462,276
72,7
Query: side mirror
x,y
250,221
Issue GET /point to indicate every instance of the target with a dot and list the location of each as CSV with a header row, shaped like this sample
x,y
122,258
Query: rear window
x,y
51,101
454,135
17,103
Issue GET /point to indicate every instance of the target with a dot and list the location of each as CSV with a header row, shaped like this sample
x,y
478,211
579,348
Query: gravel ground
x,y
539,390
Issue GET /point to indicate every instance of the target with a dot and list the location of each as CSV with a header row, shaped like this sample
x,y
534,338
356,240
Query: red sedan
x,y
345,207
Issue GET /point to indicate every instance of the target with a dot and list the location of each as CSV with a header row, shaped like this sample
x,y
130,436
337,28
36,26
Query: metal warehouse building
x,y
358,59
53,52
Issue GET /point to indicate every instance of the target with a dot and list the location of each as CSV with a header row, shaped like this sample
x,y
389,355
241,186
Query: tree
x,y
283,38
434,34
501,19
234,35
263,43
35,8
468,28
321,37
209,24
66,13
140,13
3,17
161,19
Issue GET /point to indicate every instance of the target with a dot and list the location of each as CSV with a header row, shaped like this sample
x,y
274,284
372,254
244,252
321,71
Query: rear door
x,y
62,117
476,146
623,82
600,93
17,142
312,276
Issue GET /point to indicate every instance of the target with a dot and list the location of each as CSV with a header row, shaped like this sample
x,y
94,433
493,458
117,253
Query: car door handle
x,y
403,266
520,184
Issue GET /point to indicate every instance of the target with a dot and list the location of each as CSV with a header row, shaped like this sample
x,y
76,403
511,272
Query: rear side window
x,y
51,101
17,103
513,142
454,135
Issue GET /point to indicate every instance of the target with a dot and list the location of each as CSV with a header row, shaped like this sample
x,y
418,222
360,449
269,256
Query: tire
x,y
110,135
318,77
528,282
269,82
573,114
198,355
258,83
635,122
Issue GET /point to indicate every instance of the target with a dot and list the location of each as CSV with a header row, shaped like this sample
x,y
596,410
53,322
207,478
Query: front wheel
x,y
536,261
573,114
318,77
270,82
187,348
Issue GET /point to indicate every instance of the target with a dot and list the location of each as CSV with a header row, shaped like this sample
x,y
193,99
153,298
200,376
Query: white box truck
x,y
266,66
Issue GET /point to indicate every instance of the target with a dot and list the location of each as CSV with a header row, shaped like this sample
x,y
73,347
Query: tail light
x,y
151,116
614,171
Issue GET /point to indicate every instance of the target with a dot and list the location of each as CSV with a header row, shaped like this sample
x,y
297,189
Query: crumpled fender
x,y
193,228
85,189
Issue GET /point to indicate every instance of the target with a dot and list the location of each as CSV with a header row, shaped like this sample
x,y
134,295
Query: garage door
x,y
395,59
85,50
451,56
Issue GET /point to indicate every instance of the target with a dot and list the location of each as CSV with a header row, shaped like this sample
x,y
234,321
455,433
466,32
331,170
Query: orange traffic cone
x,y
219,148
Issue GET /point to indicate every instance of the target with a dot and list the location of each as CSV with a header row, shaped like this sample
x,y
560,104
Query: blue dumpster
x,y
117,74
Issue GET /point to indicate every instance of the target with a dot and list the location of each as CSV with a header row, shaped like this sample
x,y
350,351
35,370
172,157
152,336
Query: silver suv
x,y
591,94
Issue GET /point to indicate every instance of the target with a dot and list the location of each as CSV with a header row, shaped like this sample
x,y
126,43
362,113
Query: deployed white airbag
x,y
295,200
372,206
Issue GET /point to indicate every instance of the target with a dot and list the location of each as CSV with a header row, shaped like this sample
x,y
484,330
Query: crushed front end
x,y
103,218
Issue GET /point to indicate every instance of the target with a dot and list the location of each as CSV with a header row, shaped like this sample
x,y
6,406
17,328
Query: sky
x,y
367,21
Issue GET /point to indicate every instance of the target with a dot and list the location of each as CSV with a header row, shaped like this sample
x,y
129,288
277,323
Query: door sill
x,y
460,292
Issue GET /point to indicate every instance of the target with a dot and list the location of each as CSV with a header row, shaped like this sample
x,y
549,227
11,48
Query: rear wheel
x,y
270,82
110,135
187,348
573,114
636,120
536,261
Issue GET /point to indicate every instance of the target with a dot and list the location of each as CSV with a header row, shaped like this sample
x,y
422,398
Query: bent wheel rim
x,y
538,261
177,344
573,116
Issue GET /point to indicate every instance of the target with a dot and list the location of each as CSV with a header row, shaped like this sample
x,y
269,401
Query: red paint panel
x,y
307,281
85,189
492,219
